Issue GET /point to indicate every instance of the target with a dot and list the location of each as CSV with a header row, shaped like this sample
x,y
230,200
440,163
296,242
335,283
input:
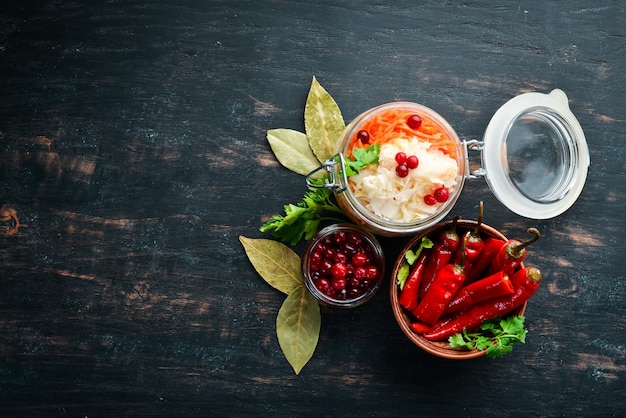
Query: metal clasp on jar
x,y
474,145
336,168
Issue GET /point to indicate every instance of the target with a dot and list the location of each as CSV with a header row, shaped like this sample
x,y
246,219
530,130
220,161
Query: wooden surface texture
x,y
133,154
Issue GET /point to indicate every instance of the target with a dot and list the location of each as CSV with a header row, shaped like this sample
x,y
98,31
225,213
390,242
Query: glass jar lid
x,y
535,156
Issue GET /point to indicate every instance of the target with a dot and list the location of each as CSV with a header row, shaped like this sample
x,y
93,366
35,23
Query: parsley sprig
x,y
362,157
498,336
302,220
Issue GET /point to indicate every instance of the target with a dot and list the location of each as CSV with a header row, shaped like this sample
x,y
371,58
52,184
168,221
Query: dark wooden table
x,y
133,153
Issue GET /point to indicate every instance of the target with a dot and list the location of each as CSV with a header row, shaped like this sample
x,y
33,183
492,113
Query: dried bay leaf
x,y
292,150
298,327
323,121
276,263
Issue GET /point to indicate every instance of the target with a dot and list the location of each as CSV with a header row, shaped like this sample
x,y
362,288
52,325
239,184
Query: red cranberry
x,y
322,285
340,257
414,122
350,249
339,271
430,200
350,268
340,237
359,259
412,162
315,257
372,272
363,136
327,242
326,267
354,282
360,273
402,170
355,239
400,158
338,284
441,194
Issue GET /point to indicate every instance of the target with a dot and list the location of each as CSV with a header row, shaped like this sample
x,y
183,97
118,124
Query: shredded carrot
x,y
392,123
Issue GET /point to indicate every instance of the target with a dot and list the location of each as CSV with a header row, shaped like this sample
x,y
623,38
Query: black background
x,y
133,150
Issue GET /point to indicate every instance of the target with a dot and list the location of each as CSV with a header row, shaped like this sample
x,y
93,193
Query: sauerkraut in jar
x,y
399,169
417,170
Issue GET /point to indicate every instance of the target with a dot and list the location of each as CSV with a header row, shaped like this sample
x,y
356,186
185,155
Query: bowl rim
x,y
437,348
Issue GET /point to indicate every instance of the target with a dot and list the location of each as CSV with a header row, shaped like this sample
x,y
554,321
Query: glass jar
x,y
420,215
343,266
534,157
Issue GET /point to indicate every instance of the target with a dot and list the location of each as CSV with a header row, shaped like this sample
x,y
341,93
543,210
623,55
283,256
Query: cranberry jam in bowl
x,y
343,266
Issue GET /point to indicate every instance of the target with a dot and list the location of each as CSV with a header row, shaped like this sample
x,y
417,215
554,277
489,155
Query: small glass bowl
x,y
329,244
437,348
355,209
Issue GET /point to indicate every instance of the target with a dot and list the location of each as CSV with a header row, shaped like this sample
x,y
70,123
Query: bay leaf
x,y
323,121
298,327
292,150
276,263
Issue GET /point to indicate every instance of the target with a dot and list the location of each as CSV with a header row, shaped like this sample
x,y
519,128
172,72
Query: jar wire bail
x,y
336,176
474,145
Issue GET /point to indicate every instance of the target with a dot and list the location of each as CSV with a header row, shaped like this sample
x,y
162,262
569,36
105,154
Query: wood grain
x,y
133,154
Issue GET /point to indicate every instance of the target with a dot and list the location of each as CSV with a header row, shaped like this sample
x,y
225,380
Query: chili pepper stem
x,y
463,245
516,250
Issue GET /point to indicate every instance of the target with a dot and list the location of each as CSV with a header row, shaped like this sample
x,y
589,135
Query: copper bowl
x,y
437,348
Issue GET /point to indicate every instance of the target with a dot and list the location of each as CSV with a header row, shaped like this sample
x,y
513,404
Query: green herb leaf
x,y
458,341
513,325
276,263
292,150
410,256
483,342
362,157
301,221
499,350
498,336
322,121
298,327
403,274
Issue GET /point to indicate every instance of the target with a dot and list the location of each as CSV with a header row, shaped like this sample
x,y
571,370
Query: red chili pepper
x,y
440,255
497,284
474,243
492,246
525,282
443,289
420,327
408,296
513,253
474,246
